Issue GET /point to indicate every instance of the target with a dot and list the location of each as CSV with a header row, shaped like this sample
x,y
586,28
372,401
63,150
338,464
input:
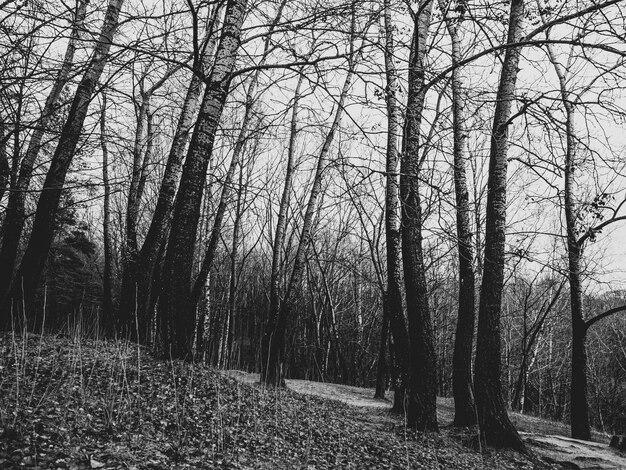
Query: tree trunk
x,y
142,283
381,363
274,336
176,311
462,387
281,226
495,427
107,301
15,214
42,234
227,187
393,299
421,393
5,169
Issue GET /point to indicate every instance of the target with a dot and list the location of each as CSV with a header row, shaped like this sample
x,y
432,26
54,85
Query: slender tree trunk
x,y
495,426
381,363
126,324
579,412
30,270
232,287
107,303
281,226
15,213
421,393
462,387
274,336
176,311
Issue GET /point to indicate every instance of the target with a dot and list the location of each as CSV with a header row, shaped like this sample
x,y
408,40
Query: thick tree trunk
x,y
5,169
274,336
393,236
176,311
495,426
42,234
107,284
15,214
462,387
137,299
227,187
421,393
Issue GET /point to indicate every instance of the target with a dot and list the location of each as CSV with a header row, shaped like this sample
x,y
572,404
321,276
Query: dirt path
x,y
537,433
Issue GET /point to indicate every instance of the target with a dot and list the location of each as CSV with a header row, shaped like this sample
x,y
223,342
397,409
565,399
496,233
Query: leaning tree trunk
x,y
393,298
495,427
137,296
273,342
421,393
176,311
107,284
42,234
15,216
462,388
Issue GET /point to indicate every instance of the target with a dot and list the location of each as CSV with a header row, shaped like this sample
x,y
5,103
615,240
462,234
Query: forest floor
x,y
71,403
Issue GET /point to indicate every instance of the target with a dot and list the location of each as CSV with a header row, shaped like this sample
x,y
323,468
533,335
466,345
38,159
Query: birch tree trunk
x,y
227,187
462,387
393,298
421,393
495,427
30,270
176,311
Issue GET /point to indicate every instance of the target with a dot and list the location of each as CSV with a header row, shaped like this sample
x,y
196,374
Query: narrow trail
x,y
545,438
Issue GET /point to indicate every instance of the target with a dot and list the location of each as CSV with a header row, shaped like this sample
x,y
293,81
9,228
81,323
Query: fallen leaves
x,y
79,405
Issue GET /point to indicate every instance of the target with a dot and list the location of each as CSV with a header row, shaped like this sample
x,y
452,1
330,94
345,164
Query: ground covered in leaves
x,y
70,403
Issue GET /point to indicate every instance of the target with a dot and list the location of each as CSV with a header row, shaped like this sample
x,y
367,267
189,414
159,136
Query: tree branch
x,y
592,321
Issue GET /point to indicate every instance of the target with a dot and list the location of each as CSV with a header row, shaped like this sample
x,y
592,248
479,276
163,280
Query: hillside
x,y
84,404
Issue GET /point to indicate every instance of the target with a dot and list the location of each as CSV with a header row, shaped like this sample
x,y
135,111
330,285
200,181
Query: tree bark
x,y
462,386
137,296
421,393
176,311
15,213
42,234
227,187
5,169
393,236
495,427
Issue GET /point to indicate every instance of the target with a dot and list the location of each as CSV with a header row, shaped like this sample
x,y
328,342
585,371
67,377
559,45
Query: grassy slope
x,y
69,403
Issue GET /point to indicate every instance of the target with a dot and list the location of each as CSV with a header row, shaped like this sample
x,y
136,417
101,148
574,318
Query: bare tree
x,y
32,264
421,394
176,310
495,425
16,210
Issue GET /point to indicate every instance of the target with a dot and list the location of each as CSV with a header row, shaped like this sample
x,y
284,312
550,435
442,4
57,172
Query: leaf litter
x,y
72,403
